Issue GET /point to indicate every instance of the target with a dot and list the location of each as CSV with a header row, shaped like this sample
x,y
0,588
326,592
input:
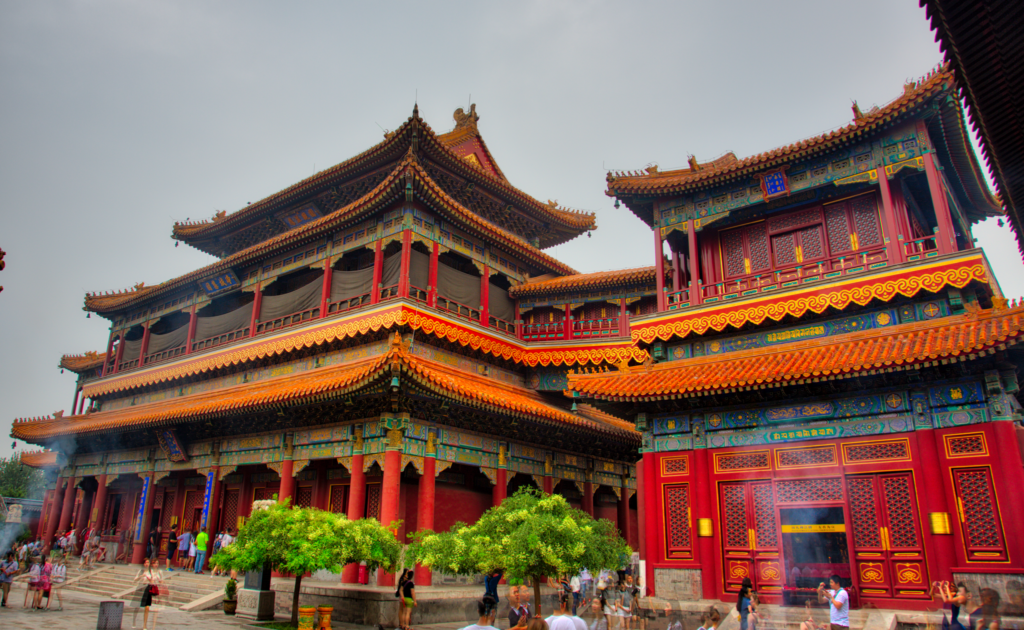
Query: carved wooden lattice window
x,y
979,514
734,513
968,445
124,519
853,225
900,511
796,237
764,515
337,504
304,496
167,511
677,519
805,457
876,451
745,250
193,501
757,460
229,513
373,499
863,516
675,466
810,490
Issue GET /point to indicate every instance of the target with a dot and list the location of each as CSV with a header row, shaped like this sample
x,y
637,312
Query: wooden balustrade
x,y
921,247
389,292
418,294
501,325
288,320
348,304
606,327
678,299
458,309
550,330
217,340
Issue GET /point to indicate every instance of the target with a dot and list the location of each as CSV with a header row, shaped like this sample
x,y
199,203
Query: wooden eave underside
x,y
390,190
559,225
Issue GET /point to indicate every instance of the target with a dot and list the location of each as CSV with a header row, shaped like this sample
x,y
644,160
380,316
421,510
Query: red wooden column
x,y
68,506
677,272
110,349
548,481
567,323
623,318
425,500
651,523
403,276
192,321
691,235
894,239
100,502
74,404
588,495
356,497
432,275
518,322
659,267
52,521
145,343
390,489
641,517
257,302
141,533
1008,454
325,295
705,544
500,490
485,296
378,273
946,238
934,501
120,353
623,512
287,489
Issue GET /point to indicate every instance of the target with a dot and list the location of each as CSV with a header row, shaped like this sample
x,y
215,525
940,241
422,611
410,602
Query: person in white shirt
x,y
561,619
574,586
486,620
839,603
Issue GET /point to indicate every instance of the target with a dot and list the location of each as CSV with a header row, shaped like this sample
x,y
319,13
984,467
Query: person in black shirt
x,y
154,543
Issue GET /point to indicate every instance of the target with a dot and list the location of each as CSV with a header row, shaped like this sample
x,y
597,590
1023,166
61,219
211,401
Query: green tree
x,y
20,481
301,540
529,535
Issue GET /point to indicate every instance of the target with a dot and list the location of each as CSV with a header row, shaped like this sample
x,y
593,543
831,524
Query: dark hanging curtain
x,y
419,269
207,327
460,287
301,299
168,341
131,349
392,269
499,304
349,284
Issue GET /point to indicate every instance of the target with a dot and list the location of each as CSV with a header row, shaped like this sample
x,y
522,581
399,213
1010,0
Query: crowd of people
x,y
46,575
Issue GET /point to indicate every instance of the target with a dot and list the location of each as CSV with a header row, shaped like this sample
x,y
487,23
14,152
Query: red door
x,y
750,536
887,539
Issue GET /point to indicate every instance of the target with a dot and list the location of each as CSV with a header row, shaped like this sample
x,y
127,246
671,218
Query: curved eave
x,y
79,363
626,278
630,187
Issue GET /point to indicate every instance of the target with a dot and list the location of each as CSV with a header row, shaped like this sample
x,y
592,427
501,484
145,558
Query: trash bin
x,y
364,574
110,615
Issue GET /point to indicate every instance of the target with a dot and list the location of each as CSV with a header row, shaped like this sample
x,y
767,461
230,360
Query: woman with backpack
x,y
406,594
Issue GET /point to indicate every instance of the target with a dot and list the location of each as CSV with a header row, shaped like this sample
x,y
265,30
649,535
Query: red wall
x,y
455,503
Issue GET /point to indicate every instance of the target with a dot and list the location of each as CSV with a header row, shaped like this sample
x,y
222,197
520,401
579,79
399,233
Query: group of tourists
x,y
46,576
186,550
988,609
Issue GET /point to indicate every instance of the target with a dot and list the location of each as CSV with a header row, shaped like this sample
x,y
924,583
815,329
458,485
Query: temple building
x,y
386,338
834,380
817,376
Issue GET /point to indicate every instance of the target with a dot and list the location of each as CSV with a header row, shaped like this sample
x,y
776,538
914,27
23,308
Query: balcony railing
x,y
418,294
458,309
584,328
389,292
348,304
540,332
288,320
921,248
678,299
502,325
216,340
795,275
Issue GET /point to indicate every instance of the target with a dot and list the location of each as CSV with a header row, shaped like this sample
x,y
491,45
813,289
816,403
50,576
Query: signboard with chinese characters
x,y
170,445
774,183
220,284
299,216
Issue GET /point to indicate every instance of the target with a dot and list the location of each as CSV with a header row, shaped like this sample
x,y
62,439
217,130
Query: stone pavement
x,y
81,610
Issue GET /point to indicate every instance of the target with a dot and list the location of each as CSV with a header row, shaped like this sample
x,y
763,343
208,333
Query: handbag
x,y
154,589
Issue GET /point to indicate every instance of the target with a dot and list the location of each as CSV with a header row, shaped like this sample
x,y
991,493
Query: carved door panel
x,y
887,539
750,535
978,513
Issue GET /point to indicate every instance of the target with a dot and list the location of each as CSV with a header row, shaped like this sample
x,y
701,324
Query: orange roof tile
x,y
385,192
79,363
394,145
322,384
617,277
727,167
900,347
39,459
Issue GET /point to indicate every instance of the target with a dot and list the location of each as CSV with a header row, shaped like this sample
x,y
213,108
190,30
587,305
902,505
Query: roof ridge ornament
x,y
465,120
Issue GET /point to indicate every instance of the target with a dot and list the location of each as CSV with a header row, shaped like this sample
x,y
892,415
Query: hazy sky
x,y
118,118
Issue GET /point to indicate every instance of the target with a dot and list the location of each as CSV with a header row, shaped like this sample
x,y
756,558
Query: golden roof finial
x,y
463,120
